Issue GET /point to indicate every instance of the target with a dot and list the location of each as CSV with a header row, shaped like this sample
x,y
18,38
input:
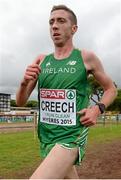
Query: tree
x,y
116,105
32,103
95,88
13,103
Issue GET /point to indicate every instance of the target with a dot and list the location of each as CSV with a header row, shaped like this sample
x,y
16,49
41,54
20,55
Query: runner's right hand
x,y
32,72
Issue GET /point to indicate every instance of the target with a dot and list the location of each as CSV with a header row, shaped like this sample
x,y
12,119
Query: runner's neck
x,y
62,53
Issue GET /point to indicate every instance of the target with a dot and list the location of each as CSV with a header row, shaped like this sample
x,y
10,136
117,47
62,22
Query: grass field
x,y
19,154
19,151
104,134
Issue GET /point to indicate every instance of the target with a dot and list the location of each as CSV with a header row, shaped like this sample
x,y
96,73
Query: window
x,y
5,102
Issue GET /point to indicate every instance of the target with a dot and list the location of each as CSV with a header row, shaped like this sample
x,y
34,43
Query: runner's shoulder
x,y
87,55
88,59
40,58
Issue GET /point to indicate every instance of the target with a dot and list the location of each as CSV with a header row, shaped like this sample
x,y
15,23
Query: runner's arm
x,y
29,81
110,91
94,66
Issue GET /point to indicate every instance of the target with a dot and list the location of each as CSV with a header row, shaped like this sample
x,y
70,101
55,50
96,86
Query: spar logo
x,y
70,94
52,94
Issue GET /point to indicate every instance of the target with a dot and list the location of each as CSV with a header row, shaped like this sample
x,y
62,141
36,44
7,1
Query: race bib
x,y
58,106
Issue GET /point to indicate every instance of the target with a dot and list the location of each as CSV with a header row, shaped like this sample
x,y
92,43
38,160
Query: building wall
x,y
5,102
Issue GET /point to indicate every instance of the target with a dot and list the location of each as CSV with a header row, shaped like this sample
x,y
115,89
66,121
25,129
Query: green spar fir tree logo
x,y
70,94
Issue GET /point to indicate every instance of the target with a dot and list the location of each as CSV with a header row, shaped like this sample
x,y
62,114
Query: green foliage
x,y
96,89
13,103
32,103
116,105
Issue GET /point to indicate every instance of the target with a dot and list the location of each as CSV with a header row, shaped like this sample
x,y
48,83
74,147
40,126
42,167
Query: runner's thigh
x,y
56,164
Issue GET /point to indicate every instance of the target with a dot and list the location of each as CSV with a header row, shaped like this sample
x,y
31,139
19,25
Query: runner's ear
x,y
74,29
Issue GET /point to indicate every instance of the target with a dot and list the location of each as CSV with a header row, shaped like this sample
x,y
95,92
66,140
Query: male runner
x,y
63,97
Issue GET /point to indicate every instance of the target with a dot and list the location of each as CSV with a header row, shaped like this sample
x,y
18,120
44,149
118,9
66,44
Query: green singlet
x,y
62,91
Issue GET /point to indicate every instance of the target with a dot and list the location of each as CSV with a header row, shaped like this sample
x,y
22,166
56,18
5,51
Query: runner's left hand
x,y
89,115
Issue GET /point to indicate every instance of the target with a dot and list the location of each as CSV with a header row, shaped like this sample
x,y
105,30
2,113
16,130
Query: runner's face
x,y
60,27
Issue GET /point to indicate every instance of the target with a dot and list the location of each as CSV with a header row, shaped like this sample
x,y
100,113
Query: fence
x,y
109,119
29,120
17,122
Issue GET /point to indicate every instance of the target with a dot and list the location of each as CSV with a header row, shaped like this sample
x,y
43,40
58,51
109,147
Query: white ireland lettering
x,y
72,70
51,70
46,70
55,71
43,70
66,70
60,70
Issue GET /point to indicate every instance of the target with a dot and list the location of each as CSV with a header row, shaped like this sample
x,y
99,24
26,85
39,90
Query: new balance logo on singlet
x,y
48,64
71,63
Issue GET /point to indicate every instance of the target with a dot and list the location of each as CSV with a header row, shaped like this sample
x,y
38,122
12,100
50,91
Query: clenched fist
x,y
32,72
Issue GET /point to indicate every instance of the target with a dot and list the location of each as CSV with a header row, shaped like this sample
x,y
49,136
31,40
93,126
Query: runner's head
x,y
63,24
72,15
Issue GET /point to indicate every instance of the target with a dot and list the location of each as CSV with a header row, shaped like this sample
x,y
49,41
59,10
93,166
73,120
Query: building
x,y
5,102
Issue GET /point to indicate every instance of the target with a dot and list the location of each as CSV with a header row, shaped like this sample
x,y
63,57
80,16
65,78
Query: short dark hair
x,y
73,17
